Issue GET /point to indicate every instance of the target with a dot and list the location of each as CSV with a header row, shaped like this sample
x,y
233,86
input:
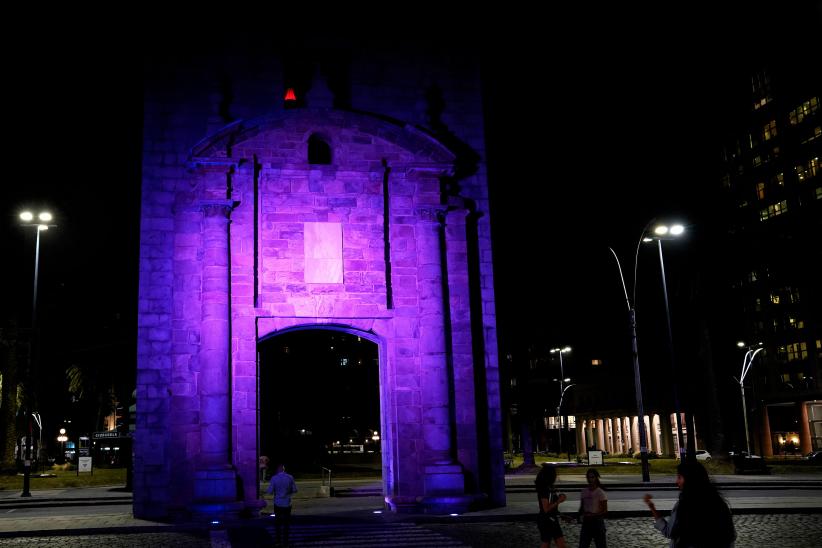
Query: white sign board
x,y
594,457
84,464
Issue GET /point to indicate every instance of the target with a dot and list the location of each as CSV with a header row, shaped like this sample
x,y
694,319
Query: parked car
x,y
814,457
744,463
701,454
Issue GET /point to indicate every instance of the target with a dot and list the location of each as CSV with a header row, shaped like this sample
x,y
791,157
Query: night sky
x,y
596,122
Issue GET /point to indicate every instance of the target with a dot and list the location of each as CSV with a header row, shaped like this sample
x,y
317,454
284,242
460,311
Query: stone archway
x,y
315,391
258,240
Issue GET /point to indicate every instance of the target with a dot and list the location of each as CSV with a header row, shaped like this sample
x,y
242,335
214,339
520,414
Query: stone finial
x,y
319,96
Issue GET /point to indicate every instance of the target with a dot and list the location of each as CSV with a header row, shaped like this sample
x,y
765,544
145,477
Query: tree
x,y
10,393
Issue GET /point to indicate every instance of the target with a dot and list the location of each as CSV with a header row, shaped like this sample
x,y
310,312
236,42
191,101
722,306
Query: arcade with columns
x,y
619,434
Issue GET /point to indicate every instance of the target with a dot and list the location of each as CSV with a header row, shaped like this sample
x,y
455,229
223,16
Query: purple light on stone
x,y
236,249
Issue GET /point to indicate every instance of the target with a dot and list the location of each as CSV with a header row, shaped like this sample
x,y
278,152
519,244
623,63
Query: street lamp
x,y
747,361
659,233
42,221
559,414
62,438
562,379
643,443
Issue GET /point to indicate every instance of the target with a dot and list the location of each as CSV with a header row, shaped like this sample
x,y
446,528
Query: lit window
x,y
806,171
813,134
805,109
751,277
757,161
596,362
786,377
819,193
796,324
778,179
760,191
758,305
773,210
797,351
769,131
774,298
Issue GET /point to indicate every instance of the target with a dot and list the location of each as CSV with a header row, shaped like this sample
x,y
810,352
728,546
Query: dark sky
x,y
596,122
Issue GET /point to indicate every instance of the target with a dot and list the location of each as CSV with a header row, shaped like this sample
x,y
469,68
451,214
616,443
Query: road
x,y
768,512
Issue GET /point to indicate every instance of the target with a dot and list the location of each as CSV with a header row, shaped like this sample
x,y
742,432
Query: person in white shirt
x,y
593,506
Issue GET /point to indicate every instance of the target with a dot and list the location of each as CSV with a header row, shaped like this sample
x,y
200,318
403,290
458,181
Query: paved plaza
x,y
769,511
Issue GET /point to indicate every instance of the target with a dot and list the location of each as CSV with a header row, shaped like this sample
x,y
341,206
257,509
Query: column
x,y
618,431
657,427
629,438
635,433
611,436
443,476
215,481
765,438
804,428
600,434
214,379
667,433
581,437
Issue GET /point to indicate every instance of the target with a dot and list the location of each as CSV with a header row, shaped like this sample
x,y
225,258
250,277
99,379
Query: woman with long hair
x,y
701,518
549,501
593,506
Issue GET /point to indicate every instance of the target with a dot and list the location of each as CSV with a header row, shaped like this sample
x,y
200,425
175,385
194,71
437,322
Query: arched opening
x,y
319,396
319,151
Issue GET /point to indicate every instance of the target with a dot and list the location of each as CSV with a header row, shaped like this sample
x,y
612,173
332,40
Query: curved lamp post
x,y
747,361
41,221
664,232
559,414
560,351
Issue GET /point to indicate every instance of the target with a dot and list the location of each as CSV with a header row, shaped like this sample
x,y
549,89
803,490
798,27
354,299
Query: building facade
x,y
289,193
772,186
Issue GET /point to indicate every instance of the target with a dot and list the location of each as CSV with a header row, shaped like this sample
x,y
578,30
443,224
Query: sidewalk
x,y
807,498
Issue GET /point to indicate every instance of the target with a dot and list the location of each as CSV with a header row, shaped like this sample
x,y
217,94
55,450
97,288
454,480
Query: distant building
x,y
772,183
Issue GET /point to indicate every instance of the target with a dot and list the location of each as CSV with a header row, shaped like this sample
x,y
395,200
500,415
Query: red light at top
x,y
289,95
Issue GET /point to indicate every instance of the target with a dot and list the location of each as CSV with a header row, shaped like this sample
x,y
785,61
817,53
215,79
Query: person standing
x,y
593,506
282,486
263,465
549,501
701,517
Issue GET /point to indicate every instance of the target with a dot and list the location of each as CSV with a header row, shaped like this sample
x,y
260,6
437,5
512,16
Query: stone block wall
x,y
256,169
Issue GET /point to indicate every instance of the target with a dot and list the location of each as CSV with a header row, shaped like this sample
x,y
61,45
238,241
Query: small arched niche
x,y
319,151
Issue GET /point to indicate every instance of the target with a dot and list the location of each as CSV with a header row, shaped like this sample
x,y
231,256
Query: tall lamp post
x,y
662,232
562,379
41,222
747,361
643,438
559,414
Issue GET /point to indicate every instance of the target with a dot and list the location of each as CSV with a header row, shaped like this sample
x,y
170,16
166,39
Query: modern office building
x,y
772,185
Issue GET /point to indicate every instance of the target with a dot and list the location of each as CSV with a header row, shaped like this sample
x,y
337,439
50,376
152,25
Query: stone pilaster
x,y
215,483
443,478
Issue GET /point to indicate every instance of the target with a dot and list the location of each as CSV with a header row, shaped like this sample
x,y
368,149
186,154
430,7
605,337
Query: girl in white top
x,y
593,508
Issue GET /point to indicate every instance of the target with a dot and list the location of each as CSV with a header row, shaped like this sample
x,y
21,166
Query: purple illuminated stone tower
x,y
248,231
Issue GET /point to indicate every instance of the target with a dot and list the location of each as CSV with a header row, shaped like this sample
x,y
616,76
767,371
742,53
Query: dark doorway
x,y
320,402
